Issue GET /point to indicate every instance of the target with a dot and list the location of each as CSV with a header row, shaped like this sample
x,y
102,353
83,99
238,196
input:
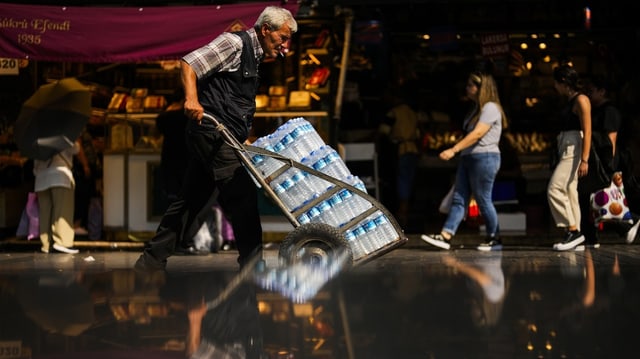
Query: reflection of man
x,y
229,330
221,78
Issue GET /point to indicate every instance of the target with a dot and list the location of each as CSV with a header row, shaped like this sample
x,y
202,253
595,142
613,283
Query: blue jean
x,y
475,175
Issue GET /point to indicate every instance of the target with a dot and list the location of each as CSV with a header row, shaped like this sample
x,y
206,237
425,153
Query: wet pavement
x,y
413,302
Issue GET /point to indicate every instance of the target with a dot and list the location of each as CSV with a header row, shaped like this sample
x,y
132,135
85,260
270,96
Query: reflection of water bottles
x,y
387,232
335,166
356,247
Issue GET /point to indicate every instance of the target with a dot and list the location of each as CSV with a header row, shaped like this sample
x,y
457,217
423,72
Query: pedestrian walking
x,y
220,78
573,147
479,163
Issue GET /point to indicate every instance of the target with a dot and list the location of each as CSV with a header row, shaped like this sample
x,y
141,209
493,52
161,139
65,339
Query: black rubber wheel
x,y
314,243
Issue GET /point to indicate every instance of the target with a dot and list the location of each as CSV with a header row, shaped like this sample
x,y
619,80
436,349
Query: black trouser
x,y
214,172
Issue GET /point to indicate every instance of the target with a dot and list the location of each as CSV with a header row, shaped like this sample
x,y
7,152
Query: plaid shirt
x,y
222,54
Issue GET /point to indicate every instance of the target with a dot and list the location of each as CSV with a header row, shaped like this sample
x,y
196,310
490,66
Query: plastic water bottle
x,y
325,213
303,141
356,247
370,240
338,209
354,202
265,164
359,234
282,190
303,218
317,184
314,214
312,139
387,232
331,214
301,190
335,166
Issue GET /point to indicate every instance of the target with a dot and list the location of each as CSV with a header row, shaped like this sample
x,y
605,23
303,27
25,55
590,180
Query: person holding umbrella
x,y
47,131
55,187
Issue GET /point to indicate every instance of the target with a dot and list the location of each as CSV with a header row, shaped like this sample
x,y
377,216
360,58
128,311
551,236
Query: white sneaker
x,y
572,240
436,240
633,231
63,249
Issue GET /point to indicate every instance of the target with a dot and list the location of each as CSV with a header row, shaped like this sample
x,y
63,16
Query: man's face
x,y
275,42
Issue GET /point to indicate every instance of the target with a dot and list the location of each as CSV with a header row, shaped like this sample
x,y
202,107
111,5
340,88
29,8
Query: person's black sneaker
x,y
492,244
571,240
146,263
436,240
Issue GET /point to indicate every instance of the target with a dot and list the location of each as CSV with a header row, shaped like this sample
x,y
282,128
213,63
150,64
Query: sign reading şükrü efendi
x,y
117,34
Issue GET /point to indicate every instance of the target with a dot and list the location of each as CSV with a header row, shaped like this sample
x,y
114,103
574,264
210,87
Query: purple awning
x,y
117,34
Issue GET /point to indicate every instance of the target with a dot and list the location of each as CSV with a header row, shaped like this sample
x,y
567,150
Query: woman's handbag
x,y
610,204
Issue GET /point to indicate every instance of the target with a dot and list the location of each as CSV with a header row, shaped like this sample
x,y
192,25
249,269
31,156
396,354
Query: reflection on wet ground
x,y
414,302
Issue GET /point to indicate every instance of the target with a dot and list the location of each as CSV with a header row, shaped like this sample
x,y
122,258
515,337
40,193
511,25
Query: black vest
x,y
231,96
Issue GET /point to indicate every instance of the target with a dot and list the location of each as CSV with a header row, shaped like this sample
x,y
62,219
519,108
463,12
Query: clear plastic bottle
x,y
338,209
356,247
309,138
355,203
335,166
370,239
281,191
265,164
303,218
359,234
316,183
314,214
326,214
387,232
296,188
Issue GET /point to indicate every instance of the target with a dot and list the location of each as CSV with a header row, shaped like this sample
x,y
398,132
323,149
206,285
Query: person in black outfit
x,y
605,125
174,155
221,78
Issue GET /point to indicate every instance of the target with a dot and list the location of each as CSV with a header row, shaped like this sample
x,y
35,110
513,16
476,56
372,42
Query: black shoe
x,y
571,240
191,250
146,263
492,244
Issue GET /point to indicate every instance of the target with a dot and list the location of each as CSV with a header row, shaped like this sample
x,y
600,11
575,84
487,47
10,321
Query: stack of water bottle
x,y
297,139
